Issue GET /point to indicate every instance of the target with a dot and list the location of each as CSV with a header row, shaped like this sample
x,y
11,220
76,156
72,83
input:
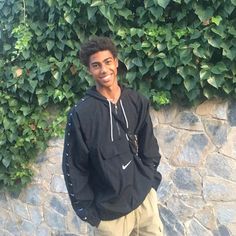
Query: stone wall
x,y
197,194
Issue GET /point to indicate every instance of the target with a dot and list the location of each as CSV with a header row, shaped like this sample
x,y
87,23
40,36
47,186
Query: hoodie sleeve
x,y
75,166
148,146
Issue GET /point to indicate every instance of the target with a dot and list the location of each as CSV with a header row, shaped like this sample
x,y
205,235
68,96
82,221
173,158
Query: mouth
x,y
105,78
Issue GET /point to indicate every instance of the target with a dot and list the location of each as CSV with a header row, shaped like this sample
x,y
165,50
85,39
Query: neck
x,y
111,93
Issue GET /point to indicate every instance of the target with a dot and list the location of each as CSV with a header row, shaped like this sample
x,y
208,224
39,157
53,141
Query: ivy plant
x,y
169,50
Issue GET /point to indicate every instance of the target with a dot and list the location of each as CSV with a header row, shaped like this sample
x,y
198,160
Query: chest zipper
x,y
117,125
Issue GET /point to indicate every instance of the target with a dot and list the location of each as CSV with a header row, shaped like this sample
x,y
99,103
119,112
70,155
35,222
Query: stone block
x,y
229,148
221,166
165,169
54,220
4,202
188,120
172,225
154,117
195,228
187,180
205,108
167,114
36,214
222,230
231,114
58,205
232,229
194,201
20,209
220,110
5,233
217,131
12,226
165,190
4,217
27,228
58,184
54,154
192,152
56,142
217,189
182,211
167,138
207,217
43,230
226,212
34,195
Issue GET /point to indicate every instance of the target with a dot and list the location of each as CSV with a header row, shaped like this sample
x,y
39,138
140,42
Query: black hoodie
x,y
105,177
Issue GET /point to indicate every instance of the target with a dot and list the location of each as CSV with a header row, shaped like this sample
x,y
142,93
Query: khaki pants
x,y
143,221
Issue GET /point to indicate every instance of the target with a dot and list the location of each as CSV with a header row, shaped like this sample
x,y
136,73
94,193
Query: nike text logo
x,y
125,166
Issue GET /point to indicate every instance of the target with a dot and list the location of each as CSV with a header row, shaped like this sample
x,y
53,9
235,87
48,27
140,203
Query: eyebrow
x,y
96,62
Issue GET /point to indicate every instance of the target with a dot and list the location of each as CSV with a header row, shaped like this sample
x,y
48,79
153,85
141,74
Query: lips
x,y
105,78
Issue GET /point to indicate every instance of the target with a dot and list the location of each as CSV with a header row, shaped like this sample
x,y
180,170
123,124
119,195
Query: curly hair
x,y
95,45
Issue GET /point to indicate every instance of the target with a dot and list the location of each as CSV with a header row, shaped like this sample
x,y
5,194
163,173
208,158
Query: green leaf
x,y
233,2
69,17
158,66
42,99
6,47
232,30
6,161
161,55
50,44
57,77
96,3
219,68
26,110
228,88
230,53
43,68
219,30
157,12
189,83
126,13
185,55
6,123
163,3
204,74
130,76
203,13
91,12
33,85
137,61
216,20
215,42
215,81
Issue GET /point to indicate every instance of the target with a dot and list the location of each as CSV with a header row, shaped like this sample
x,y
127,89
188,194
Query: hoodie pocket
x,y
117,166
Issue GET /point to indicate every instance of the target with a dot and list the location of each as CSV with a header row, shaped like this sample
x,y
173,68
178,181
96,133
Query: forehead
x,y
100,56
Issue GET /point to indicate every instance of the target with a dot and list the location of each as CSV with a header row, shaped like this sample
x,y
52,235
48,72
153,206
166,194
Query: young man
x,y
110,153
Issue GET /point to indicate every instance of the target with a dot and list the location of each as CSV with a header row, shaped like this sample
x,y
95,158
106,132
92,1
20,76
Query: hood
x,y
95,94
92,92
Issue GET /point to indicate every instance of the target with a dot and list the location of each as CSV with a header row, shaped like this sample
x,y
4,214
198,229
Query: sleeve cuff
x,y
89,215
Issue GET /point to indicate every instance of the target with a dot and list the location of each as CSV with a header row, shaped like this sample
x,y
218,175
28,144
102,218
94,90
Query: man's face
x,y
103,68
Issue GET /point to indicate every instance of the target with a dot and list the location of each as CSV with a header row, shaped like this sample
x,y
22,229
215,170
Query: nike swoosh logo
x,y
125,166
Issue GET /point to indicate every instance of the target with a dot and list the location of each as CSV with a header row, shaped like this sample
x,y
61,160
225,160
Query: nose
x,y
103,69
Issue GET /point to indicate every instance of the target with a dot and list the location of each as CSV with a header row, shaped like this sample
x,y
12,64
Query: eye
x,y
95,66
108,62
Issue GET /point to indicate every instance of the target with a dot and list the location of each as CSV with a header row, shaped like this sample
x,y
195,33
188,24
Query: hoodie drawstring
x,y
111,122
126,120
